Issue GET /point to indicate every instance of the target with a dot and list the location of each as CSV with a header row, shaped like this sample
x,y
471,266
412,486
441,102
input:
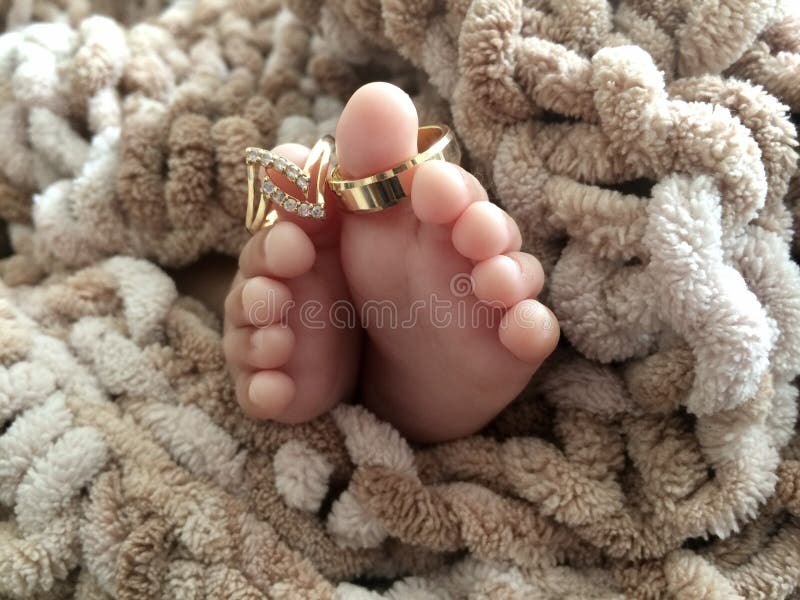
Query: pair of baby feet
x,y
425,312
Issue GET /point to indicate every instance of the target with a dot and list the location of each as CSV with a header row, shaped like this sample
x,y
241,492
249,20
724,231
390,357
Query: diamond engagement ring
x,y
265,193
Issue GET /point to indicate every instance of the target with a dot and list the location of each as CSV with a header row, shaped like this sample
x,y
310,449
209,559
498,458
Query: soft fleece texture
x,y
646,148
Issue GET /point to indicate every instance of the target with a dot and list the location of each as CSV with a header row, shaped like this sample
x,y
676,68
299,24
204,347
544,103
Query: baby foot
x,y
287,364
435,378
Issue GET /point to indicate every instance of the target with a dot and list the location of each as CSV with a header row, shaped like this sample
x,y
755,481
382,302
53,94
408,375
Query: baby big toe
x,y
529,330
285,251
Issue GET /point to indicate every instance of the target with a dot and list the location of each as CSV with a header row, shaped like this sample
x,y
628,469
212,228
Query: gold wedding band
x,y
383,190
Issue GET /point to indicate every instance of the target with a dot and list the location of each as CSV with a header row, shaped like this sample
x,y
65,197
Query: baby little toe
x,y
269,394
529,330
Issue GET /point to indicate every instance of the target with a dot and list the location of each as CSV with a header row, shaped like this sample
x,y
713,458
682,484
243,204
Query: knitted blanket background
x,y
646,147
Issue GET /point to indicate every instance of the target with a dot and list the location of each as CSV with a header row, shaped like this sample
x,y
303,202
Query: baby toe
x,y
259,348
485,230
264,301
284,251
376,130
268,394
529,330
441,191
508,278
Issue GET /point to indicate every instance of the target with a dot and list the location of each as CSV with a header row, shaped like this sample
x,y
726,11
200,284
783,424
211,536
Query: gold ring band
x,y
383,190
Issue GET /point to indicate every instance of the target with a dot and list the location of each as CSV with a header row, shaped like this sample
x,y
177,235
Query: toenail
x,y
270,392
288,252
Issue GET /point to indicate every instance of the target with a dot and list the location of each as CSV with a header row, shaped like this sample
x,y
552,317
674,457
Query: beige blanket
x,y
646,148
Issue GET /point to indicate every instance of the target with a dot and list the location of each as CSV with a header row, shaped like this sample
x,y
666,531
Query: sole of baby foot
x,y
288,364
454,331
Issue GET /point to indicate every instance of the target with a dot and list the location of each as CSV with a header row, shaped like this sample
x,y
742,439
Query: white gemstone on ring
x,y
278,196
292,172
290,205
317,212
304,209
280,163
268,187
302,182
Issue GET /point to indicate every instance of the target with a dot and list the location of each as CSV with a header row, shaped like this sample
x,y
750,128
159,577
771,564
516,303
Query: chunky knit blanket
x,y
646,147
